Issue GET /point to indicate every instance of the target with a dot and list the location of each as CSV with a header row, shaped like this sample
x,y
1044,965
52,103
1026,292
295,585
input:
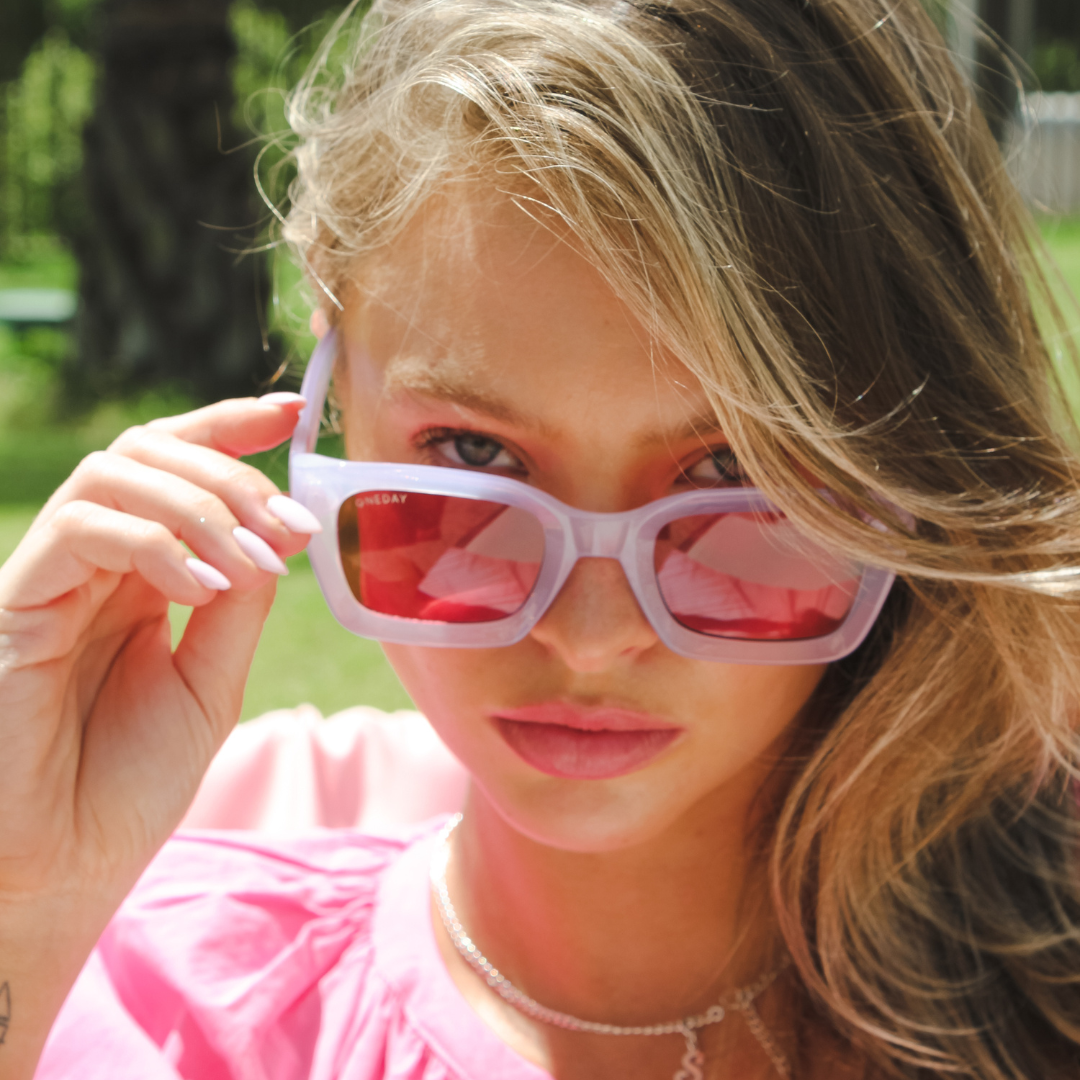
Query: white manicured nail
x,y
293,515
259,551
282,397
207,576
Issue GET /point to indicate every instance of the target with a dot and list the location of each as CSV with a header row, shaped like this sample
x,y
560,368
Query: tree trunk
x,y
22,22
164,297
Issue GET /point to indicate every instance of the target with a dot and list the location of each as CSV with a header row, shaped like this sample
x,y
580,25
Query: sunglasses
x,y
423,555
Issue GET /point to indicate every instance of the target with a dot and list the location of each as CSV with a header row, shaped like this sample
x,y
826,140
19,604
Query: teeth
x,y
207,576
259,551
293,515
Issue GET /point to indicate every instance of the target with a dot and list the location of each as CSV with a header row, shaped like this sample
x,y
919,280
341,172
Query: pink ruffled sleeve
x,y
221,964
240,956
247,956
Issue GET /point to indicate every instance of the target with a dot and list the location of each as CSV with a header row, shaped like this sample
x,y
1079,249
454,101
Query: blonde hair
x,y
802,202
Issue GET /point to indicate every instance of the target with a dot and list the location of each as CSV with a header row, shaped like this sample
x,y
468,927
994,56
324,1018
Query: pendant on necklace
x,y
693,1060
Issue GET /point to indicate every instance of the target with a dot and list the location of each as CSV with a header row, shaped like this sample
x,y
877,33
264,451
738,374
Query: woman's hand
x,y
105,732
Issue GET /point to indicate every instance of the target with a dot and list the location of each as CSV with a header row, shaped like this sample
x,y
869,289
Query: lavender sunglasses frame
x,y
322,484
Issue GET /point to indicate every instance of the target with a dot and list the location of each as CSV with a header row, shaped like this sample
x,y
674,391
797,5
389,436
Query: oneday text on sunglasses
x,y
425,555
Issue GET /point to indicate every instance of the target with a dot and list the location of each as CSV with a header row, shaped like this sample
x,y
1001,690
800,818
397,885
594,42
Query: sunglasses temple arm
x,y
314,389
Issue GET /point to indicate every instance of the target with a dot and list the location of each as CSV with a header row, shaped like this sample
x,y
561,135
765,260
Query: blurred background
x,y
136,278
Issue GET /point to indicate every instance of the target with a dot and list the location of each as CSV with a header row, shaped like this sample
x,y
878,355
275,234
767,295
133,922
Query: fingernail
x,y
293,515
282,397
207,576
259,551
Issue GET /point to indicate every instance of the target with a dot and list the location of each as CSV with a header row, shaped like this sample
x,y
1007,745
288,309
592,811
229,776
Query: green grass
x,y
1062,239
303,655
1062,236
14,521
39,262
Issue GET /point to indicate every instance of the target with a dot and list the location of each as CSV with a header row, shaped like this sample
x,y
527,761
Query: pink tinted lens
x,y
751,576
439,557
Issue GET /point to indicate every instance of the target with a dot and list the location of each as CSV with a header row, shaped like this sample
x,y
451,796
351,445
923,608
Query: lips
x,y
579,743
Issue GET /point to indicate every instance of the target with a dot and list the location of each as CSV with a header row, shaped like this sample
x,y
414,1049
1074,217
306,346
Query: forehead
x,y
487,301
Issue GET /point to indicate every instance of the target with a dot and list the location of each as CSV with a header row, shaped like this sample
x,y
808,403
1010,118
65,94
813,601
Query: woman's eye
x,y
477,452
721,466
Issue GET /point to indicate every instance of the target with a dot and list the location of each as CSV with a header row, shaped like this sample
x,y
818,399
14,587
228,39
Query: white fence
x,y
1046,157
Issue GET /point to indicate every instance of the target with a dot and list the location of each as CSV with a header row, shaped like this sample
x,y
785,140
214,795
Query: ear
x,y
319,323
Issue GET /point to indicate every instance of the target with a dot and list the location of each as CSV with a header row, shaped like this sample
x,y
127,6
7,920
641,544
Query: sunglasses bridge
x,y
599,535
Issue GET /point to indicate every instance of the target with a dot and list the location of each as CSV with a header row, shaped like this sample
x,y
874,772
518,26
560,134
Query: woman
x,y
583,259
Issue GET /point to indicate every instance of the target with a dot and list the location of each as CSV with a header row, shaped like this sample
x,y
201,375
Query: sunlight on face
x,y
484,340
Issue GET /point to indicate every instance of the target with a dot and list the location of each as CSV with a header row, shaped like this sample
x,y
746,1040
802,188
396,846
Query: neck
x,y
641,935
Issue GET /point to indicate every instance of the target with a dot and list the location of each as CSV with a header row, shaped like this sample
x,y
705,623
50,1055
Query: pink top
x,y
251,956
291,771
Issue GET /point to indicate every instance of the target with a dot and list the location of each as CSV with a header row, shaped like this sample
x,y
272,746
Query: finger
x,y
244,489
239,426
197,516
219,642
158,717
84,539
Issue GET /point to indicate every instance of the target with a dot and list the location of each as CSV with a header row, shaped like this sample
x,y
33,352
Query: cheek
x,y
745,713
452,687
431,674
736,720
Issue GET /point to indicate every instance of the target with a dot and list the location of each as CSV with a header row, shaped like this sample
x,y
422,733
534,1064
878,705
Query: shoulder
x,y
292,770
216,907
209,866
233,947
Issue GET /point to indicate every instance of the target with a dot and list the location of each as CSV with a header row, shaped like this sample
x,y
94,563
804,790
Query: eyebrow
x,y
441,384
699,427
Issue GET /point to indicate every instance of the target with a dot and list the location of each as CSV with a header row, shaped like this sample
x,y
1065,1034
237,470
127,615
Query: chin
x,y
583,816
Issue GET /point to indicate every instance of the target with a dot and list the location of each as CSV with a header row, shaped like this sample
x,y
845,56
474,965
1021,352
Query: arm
x,y
104,731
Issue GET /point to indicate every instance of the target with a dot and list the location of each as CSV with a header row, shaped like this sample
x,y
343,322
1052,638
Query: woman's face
x,y
483,340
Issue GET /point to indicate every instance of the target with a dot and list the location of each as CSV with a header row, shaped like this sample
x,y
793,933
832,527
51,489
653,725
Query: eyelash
x,y
727,464
427,440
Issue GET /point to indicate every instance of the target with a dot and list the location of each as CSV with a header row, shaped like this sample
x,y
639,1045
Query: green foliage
x,y
43,110
938,10
39,261
1062,236
270,59
1057,66
41,120
74,17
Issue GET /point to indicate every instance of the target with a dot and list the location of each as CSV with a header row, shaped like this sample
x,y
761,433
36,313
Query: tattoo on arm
x,y
5,1011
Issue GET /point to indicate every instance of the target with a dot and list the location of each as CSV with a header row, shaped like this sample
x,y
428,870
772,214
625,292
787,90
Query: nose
x,y
595,621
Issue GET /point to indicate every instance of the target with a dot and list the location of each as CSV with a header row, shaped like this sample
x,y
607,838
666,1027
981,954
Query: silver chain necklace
x,y
693,1060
